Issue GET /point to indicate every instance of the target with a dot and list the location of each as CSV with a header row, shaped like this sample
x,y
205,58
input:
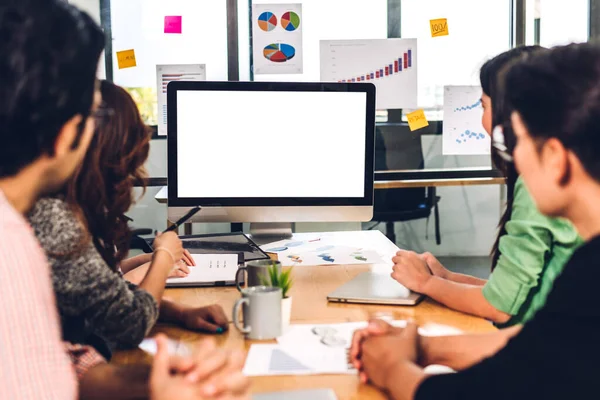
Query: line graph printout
x,y
463,132
390,64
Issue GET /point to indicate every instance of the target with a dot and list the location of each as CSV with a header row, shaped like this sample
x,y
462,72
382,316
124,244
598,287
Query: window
x,y
139,25
553,22
478,30
325,20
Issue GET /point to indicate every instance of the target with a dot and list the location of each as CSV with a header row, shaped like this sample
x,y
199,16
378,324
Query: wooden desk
x,y
438,183
312,284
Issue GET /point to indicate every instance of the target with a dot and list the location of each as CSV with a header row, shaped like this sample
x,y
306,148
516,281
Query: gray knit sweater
x,y
93,300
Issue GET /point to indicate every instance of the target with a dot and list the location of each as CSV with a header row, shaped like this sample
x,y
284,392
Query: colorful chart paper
x,y
439,27
173,24
277,39
417,120
126,59
463,132
267,21
279,52
390,64
290,21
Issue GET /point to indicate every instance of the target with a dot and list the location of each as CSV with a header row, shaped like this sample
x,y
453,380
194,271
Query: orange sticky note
x,y
417,120
439,27
126,59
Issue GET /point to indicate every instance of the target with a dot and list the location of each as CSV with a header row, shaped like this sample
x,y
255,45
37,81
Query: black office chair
x,y
397,148
138,242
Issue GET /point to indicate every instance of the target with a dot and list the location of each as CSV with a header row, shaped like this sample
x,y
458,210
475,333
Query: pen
x,y
182,220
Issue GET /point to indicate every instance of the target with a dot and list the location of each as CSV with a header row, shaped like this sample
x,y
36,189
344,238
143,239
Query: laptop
x,y
375,288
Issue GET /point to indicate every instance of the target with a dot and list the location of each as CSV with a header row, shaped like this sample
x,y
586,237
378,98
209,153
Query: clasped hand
x,y
377,350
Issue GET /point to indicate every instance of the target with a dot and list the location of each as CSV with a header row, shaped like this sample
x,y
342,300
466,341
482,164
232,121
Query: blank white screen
x,y
237,144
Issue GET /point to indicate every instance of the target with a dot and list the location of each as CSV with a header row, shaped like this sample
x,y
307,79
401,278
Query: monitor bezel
x,y
175,201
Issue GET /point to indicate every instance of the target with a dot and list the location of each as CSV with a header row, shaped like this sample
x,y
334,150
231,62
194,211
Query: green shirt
x,y
533,251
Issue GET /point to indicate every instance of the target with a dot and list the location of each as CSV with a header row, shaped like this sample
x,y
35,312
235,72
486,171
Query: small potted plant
x,y
281,279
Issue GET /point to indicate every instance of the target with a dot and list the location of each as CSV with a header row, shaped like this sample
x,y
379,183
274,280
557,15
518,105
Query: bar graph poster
x,y
463,132
170,73
277,38
390,64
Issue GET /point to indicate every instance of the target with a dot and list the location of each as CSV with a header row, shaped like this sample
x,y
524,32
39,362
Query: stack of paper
x,y
317,349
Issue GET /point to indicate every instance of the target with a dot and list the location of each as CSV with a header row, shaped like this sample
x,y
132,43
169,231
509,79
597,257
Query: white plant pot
x,y
286,313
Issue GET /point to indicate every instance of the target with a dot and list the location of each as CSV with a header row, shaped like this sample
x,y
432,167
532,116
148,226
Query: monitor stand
x,y
270,232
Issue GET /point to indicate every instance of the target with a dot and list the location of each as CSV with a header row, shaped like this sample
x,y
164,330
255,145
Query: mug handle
x,y
237,277
236,315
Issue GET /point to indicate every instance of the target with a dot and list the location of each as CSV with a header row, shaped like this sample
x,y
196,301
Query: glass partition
x,y
478,30
139,25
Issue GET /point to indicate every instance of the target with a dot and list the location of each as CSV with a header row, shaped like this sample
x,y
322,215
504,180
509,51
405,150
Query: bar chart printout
x,y
463,132
171,73
390,64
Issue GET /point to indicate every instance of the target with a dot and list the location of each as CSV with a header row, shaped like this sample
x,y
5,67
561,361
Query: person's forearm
x,y
404,380
138,274
154,281
171,312
463,351
465,298
113,382
466,279
134,262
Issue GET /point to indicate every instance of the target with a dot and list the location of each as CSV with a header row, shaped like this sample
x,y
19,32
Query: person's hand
x,y
376,327
179,270
381,354
411,271
188,259
229,383
211,374
172,243
209,319
435,266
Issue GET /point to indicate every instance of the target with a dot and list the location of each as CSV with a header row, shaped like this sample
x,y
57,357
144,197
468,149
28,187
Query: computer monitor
x,y
265,152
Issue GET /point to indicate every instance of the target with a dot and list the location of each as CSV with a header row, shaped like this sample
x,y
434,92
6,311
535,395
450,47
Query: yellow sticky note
x,y
417,120
126,59
439,27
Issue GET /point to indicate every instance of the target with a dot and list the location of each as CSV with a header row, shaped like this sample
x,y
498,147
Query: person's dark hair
x,y
490,77
102,189
557,95
49,57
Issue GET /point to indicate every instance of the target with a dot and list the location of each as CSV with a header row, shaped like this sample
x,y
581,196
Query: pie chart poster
x,y
277,38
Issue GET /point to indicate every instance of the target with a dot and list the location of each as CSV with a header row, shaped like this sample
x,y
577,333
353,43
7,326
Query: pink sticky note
x,y
173,24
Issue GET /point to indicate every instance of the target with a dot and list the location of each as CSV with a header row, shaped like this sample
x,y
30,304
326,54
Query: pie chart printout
x,y
279,52
267,21
277,38
290,21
